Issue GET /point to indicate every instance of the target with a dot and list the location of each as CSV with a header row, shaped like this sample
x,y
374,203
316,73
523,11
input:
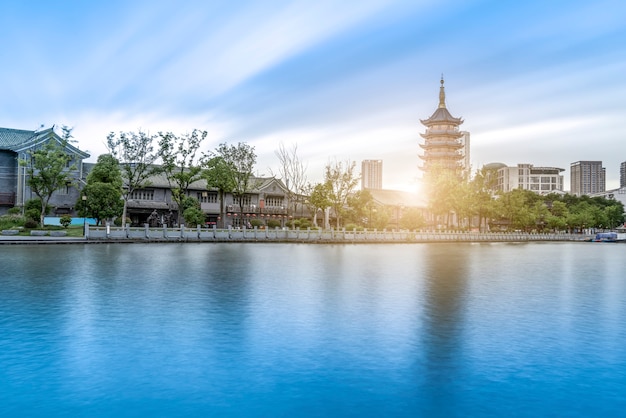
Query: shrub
x,y
31,223
193,217
14,211
118,221
11,221
32,208
273,223
32,214
351,227
65,221
256,222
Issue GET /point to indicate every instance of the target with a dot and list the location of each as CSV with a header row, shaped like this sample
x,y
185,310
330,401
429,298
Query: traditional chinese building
x,y
445,146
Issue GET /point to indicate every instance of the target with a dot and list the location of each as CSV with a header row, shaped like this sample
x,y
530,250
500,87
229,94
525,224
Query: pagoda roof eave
x,y
441,115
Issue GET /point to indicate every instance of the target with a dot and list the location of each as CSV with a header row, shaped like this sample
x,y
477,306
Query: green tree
x,y
218,174
341,179
412,219
360,205
483,185
136,155
182,162
32,209
442,186
614,215
319,199
231,169
192,213
48,169
101,198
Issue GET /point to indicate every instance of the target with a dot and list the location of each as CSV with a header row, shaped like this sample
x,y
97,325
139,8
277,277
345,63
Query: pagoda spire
x,y
442,95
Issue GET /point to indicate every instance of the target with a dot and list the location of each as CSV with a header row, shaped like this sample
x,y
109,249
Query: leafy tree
x,y
218,174
442,186
230,169
614,215
181,162
319,199
192,213
412,219
102,195
135,152
32,209
48,169
341,180
483,184
360,206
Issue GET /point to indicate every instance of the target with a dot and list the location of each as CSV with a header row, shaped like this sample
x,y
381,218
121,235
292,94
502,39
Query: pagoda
x,y
443,146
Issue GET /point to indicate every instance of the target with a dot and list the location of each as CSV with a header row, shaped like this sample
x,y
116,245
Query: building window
x,y
207,197
245,200
274,201
142,194
65,190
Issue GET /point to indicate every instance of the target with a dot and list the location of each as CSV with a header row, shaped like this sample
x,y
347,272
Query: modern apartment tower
x,y
445,147
622,175
587,177
372,174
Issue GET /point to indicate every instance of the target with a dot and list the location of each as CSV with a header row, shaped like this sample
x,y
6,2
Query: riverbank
x,y
96,235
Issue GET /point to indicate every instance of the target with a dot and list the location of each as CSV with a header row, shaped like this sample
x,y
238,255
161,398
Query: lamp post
x,y
84,199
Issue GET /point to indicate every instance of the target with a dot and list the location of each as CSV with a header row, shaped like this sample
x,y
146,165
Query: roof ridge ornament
x,y
442,95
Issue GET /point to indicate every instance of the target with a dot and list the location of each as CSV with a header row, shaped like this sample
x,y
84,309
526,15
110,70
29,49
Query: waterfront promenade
x,y
183,234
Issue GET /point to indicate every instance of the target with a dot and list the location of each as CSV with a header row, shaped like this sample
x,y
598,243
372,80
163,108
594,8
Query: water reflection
x,y
278,329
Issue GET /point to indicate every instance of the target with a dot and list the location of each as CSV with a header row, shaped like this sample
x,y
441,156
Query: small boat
x,y
608,237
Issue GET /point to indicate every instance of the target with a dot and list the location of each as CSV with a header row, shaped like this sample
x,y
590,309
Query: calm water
x,y
313,330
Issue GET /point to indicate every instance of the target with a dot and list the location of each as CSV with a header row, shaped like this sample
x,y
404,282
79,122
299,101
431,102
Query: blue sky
x,y
540,82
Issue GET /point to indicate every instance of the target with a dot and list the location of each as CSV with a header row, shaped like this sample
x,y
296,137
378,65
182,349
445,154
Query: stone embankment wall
x,y
311,236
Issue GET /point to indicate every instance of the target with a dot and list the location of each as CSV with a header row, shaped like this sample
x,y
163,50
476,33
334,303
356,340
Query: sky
x,y
539,82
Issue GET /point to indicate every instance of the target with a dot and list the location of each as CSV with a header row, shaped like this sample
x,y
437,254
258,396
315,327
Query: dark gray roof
x,y
11,139
18,140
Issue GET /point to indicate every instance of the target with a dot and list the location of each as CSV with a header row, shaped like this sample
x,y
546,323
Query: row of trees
x,y
474,203
454,201
131,162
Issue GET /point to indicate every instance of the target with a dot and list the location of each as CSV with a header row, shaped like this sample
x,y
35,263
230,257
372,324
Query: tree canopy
x,y
101,198
48,169
136,155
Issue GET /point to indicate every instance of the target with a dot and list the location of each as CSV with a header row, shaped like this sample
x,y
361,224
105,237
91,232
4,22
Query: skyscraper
x,y
622,175
587,177
372,174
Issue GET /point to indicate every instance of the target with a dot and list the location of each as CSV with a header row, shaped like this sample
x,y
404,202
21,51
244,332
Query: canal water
x,y
532,329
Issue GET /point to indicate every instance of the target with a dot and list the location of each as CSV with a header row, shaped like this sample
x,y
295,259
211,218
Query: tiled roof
x,y
441,115
258,184
10,139
19,139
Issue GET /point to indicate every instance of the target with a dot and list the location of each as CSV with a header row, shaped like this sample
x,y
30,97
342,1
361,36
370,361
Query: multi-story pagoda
x,y
444,145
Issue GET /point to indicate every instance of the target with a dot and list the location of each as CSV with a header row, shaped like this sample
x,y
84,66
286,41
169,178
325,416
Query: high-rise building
x,y
372,174
622,175
541,180
445,147
587,177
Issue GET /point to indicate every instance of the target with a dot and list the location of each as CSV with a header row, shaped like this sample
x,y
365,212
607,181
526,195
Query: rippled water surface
x,y
313,330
